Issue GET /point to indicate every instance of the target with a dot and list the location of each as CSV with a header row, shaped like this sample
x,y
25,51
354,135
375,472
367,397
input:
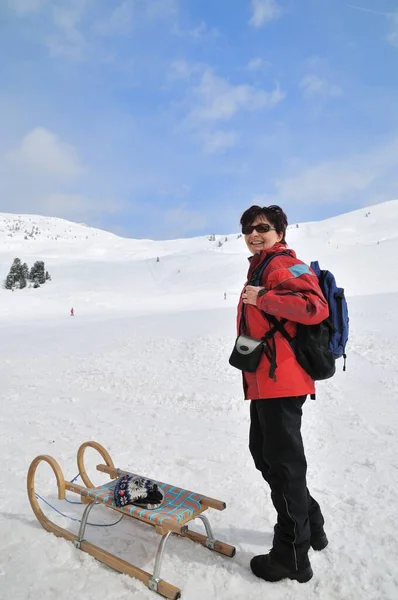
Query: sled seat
x,y
179,505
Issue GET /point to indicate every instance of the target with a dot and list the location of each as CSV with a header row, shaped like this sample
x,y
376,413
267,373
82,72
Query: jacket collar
x,y
261,255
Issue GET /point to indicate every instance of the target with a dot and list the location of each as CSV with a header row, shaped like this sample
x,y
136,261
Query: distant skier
x,y
225,295
72,312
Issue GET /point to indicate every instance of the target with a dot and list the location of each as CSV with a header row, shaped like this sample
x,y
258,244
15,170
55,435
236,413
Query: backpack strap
x,y
316,268
255,280
277,325
258,273
269,338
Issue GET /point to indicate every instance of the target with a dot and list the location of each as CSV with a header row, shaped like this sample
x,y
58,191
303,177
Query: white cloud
x,y
313,85
63,38
217,141
42,153
67,40
200,32
63,205
24,7
325,182
159,9
257,64
78,205
203,31
369,175
264,11
392,36
119,22
211,98
181,220
218,99
182,69
130,13
72,27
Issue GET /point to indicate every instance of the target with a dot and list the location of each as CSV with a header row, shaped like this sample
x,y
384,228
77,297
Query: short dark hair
x,y
274,214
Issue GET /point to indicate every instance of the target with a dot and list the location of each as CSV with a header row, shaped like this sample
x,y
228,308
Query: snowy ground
x,y
146,374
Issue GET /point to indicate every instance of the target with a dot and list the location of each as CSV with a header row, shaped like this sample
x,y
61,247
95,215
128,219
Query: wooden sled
x,y
178,509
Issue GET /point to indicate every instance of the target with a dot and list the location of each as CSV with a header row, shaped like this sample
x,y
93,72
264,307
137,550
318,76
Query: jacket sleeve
x,y
294,294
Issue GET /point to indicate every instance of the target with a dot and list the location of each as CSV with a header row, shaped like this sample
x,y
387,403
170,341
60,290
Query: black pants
x,y
277,448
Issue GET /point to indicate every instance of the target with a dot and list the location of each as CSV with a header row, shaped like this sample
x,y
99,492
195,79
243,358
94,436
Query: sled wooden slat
x,y
164,589
179,507
219,547
212,503
80,460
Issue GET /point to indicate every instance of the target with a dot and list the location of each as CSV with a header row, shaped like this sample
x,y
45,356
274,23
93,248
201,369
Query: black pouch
x,y
247,353
312,350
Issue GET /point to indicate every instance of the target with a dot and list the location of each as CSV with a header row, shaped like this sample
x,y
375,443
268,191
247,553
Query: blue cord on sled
x,y
71,502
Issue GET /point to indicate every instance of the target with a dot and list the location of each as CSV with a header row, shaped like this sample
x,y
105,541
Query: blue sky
x,y
167,118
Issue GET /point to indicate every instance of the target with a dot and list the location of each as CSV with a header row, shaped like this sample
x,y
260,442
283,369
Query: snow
x,y
143,369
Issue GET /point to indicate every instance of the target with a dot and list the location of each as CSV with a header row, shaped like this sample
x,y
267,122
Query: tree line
x,y
20,274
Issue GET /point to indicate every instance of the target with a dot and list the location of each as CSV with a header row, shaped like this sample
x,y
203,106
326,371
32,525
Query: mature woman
x,y
290,292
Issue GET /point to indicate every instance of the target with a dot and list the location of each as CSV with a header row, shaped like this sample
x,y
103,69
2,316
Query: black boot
x,y
318,540
268,568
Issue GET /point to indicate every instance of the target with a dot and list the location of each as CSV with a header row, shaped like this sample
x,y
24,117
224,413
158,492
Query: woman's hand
x,y
250,294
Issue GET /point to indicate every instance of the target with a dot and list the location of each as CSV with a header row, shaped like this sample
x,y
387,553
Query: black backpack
x,y
316,347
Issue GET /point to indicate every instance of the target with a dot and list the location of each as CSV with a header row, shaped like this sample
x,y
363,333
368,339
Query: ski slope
x,y
143,369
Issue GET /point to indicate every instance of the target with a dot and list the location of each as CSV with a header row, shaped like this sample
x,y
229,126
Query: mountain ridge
x,y
18,225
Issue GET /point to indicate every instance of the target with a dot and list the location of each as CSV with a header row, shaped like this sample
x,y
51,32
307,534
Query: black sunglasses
x,y
260,228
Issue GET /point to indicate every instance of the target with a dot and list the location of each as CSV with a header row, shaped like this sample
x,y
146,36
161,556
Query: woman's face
x,y
257,240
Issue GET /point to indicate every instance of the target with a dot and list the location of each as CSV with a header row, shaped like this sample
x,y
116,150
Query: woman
x,y
288,290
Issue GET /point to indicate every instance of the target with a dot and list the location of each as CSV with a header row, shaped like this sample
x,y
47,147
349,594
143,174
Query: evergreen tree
x,y
16,277
38,272
19,275
25,271
41,270
22,281
16,270
9,282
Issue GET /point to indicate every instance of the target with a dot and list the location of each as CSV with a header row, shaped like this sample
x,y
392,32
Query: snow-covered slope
x,y
143,369
93,269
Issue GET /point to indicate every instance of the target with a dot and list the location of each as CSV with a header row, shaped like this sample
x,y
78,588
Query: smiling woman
x,y
281,291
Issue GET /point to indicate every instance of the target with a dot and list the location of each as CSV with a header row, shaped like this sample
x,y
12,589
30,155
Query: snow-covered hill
x,y
94,270
143,369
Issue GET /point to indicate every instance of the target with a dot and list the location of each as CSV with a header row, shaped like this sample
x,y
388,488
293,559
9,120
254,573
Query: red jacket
x,y
293,294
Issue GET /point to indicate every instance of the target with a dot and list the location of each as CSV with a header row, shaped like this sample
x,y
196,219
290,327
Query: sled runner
x,y
178,508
